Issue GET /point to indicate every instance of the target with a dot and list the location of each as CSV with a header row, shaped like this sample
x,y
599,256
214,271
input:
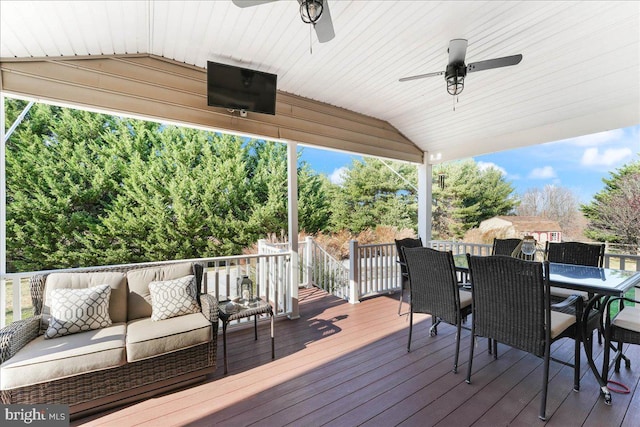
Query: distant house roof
x,y
523,223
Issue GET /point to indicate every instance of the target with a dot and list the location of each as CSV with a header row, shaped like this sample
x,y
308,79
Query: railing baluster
x,y
3,303
16,286
375,254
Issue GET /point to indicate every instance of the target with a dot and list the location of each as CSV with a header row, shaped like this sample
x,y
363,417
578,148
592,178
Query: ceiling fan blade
x,y
249,3
324,26
420,76
457,50
494,63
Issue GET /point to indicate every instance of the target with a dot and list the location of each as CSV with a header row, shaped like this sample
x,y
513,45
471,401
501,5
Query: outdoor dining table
x,y
601,283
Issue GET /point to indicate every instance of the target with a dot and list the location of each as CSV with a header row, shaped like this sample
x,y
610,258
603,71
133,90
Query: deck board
x,y
345,365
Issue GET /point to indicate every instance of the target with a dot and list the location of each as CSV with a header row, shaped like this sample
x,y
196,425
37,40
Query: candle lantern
x,y
528,246
245,288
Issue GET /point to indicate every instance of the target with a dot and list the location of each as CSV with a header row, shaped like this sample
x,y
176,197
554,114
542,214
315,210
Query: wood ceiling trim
x,y
165,90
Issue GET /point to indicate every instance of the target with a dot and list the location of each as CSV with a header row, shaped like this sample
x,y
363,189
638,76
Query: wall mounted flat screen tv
x,y
238,88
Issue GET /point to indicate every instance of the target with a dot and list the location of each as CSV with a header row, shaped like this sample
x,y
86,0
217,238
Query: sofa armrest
x,y
16,335
209,308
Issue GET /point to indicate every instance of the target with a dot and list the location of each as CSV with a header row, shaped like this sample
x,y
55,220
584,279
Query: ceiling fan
x,y
314,12
457,70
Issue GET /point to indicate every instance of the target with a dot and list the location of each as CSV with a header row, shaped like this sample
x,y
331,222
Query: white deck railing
x,y
611,260
371,269
269,272
325,271
374,269
265,247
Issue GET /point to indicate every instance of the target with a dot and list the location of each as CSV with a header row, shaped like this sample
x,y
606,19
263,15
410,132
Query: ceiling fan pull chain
x,y
310,39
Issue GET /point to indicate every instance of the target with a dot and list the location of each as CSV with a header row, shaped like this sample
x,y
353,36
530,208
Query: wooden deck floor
x,y
347,365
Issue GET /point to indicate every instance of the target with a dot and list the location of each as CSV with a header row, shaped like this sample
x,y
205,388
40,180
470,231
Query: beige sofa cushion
x,y
117,300
139,298
45,360
146,338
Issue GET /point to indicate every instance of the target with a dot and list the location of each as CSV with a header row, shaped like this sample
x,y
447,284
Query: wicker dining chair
x,y
623,328
504,246
511,305
434,290
408,242
574,253
510,247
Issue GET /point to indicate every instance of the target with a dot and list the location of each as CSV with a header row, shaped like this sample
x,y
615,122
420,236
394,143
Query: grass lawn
x,y
25,301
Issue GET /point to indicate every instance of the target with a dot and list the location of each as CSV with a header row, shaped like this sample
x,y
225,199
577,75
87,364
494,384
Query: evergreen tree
x,y
269,182
189,199
614,212
314,200
60,177
469,196
372,195
92,189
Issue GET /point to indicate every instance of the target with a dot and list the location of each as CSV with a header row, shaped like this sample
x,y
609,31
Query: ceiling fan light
x,y
455,75
310,11
455,85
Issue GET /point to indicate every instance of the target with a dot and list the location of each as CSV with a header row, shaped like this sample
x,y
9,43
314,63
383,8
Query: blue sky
x,y
578,164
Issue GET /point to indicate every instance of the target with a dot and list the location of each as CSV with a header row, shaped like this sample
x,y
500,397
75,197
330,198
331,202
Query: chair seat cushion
x,y
629,319
560,322
465,298
562,293
46,360
147,338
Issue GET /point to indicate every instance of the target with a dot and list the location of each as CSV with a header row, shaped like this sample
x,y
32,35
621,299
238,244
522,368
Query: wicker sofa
x,y
132,359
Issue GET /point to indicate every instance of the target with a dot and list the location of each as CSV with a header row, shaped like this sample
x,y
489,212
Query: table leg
x,y
255,327
224,345
273,345
587,339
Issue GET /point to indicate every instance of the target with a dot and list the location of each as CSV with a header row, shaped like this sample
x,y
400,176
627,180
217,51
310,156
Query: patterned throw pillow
x,y
78,310
173,298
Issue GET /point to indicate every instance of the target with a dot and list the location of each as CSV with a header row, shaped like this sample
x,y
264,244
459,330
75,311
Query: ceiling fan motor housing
x,y
455,70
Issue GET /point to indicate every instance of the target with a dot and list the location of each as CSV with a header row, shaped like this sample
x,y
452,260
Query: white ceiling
x,y
580,71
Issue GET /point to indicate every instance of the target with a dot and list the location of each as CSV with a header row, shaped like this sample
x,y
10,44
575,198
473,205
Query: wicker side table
x,y
229,311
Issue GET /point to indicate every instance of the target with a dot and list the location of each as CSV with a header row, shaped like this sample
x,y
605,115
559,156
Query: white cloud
x,y
544,172
486,165
609,157
337,176
596,139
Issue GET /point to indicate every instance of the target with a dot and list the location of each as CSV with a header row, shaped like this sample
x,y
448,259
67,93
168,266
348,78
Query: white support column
x,y
425,196
3,216
354,272
292,173
308,261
